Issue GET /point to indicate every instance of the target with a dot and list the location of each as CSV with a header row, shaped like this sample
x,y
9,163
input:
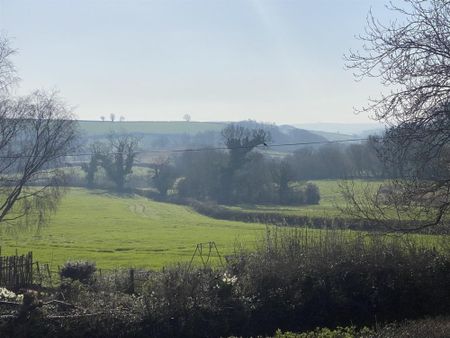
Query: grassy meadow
x,y
123,231
330,201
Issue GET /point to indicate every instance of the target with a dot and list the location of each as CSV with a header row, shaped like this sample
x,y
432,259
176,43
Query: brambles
x,y
78,270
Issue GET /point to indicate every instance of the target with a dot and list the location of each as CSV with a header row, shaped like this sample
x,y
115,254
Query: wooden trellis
x,y
206,251
16,271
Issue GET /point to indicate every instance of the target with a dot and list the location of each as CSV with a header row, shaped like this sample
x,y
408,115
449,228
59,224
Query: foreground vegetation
x,y
437,327
292,282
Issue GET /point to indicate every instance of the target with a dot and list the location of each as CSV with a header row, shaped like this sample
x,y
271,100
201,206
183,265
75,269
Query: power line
x,y
187,150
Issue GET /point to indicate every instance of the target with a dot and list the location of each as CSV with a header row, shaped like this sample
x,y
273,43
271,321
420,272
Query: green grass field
x,y
330,200
125,231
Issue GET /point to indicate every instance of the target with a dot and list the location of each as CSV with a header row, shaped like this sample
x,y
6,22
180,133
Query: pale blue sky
x,y
274,61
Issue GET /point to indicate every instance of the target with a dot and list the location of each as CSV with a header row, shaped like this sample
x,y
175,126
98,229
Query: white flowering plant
x,y
229,279
9,295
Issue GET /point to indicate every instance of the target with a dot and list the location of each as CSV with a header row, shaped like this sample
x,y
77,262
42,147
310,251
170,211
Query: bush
x,y
192,303
312,194
78,270
297,281
437,327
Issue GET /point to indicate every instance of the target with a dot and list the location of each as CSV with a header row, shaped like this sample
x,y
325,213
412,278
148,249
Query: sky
x,y
271,61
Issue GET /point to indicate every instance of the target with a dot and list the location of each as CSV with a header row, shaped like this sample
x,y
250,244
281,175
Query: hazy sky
x,y
274,61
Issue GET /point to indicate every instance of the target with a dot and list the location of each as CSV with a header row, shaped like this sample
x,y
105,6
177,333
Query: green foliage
x,y
339,332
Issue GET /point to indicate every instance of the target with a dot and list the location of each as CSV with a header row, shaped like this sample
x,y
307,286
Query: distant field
x,y
330,200
149,127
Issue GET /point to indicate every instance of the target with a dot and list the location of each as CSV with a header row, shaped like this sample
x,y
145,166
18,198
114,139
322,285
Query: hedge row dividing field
x,y
330,199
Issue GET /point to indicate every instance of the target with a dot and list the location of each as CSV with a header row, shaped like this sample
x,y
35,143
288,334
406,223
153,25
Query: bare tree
x,y
240,141
412,57
36,132
102,118
117,157
112,117
121,118
8,74
187,117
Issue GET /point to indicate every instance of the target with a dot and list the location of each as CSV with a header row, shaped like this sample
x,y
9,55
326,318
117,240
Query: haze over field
x,y
273,61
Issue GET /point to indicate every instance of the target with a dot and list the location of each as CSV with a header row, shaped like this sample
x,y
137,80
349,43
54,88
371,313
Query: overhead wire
x,y
186,150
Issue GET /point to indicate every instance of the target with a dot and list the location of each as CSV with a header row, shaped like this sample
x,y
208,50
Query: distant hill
x,y
92,128
286,133
332,136
343,128
178,134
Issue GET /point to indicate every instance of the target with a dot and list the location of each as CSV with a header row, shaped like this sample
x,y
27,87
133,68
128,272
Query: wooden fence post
x,y
131,285
49,275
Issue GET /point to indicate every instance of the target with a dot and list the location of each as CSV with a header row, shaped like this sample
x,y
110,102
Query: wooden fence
x,y
16,271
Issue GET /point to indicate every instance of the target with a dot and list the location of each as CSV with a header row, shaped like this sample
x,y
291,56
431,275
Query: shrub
x,y
82,271
192,303
312,194
297,281
437,327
